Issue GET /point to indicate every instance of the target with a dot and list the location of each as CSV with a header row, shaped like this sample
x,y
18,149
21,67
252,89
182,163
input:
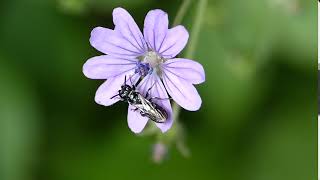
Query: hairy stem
x,y
195,31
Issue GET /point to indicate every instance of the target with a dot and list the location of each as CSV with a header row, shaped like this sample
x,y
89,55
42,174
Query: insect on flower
x,y
145,106
150,55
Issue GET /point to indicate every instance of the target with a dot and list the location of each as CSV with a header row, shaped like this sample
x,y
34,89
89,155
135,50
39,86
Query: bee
x,y
144,105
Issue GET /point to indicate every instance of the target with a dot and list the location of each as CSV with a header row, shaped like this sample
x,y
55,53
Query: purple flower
x,y
150,56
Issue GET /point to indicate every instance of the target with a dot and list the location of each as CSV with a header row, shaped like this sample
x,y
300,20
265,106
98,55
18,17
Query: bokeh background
x,y
257,121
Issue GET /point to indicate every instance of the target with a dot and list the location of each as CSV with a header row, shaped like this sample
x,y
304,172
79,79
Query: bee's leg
x,y
147,94
143,114
135,109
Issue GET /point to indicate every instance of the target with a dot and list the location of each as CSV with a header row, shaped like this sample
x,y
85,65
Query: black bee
x,y
145,106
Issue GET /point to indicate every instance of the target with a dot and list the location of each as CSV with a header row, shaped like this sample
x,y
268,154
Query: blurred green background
x,y
258,118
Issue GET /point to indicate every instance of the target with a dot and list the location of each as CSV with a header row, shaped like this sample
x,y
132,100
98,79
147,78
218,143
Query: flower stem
x,y
181,12
195,31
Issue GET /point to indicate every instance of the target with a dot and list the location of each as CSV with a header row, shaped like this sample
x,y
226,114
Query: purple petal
x,y
155,28
175,40
159,96
136,122
110,88
113,43
182,91
126,26
132,79
104,67
189,70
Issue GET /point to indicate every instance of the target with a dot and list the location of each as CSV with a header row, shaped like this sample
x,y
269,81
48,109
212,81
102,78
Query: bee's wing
x,y
152,111
145,107
146,104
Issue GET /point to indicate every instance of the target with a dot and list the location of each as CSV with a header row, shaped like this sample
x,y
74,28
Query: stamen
x,y
143,69
148,62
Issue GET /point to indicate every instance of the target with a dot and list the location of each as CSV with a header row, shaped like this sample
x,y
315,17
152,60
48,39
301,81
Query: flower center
x,y
148,62
152,58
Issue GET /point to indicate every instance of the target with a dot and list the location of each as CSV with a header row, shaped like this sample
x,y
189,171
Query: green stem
x,y
181,12
195,31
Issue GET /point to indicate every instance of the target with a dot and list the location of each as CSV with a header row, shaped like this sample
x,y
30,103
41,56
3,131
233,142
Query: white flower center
x,y
153,59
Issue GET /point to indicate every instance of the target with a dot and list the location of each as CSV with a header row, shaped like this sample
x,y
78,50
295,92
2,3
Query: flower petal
x,y
155,28
104,67
182,91
113,43
136,122
110,88
159,96
187,69
175,40
127,27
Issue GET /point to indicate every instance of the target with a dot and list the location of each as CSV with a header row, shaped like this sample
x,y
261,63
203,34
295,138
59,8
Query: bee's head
x,y
125,91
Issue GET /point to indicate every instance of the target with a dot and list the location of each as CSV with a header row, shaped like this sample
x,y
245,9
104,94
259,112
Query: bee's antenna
x,y
114,96
138,81
125,80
